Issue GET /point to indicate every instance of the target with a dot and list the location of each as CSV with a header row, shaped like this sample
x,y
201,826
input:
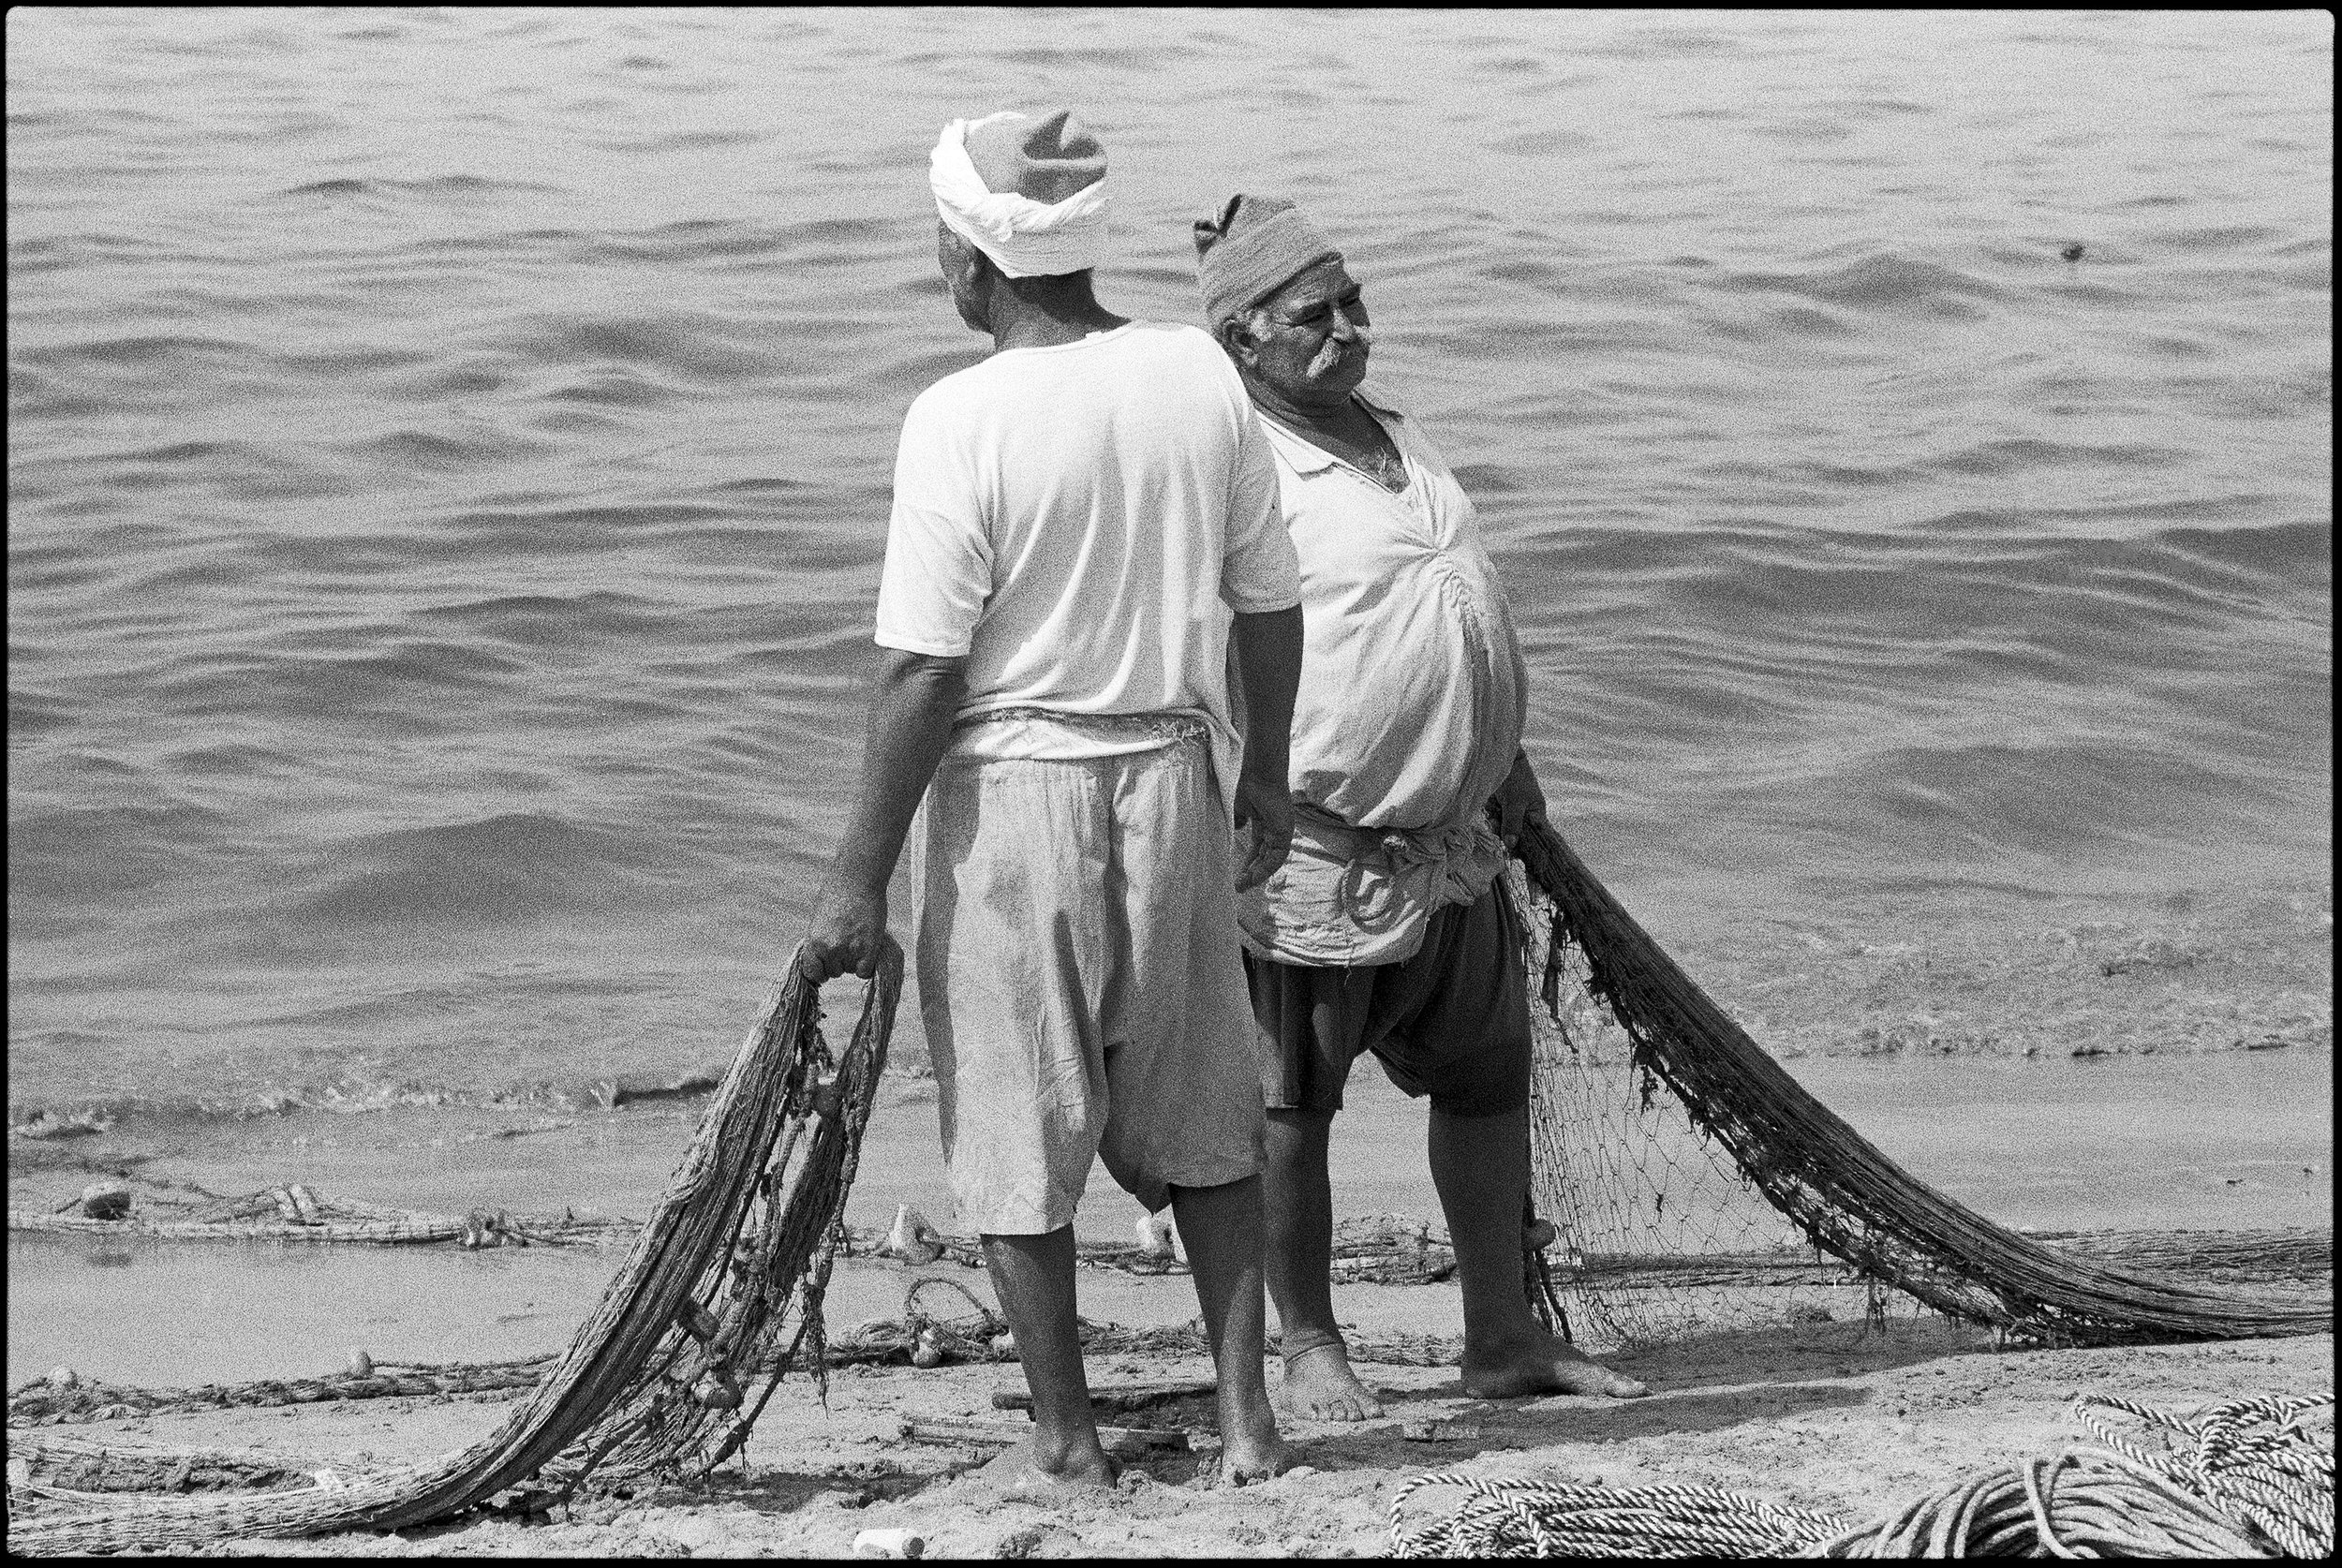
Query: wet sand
x,y
2228,1141
2221,1141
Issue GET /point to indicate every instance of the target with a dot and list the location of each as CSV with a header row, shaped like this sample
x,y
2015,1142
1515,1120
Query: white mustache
x,y
1332,351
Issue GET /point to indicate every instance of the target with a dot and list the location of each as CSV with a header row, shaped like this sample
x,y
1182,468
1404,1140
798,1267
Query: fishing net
x,y
1696,1187
724,1283
1661,1234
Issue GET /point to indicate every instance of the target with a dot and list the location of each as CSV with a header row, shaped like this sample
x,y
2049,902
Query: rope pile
x,y
744,1234
2276,1480
2246,1481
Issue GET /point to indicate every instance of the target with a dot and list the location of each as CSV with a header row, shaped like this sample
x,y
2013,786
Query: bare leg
x,y
1480,1165
1319,1385
1033,1276
1222,1227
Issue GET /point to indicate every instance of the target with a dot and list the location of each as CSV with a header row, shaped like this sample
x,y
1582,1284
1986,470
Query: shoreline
x,y
2231,1143
446,1157
1968,975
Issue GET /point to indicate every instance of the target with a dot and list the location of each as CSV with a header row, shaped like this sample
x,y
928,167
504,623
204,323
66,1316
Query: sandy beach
x,y
1827,1415
1832,1419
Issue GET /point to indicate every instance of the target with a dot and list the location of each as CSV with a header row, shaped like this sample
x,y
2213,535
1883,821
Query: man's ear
x,y
969,276
967,260
984,275
1237,341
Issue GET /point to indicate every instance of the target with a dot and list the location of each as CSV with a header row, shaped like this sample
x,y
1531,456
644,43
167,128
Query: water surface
x,y
449,455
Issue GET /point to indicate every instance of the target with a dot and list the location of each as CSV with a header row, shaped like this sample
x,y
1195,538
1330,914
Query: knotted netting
x,y
723,1284
1696,1187
1661,1235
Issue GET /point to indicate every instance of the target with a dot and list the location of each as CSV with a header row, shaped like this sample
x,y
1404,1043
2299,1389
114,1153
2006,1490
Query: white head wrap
x,y
1024,238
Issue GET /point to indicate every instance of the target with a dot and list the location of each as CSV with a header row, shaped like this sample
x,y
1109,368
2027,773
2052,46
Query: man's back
x,y
1071,519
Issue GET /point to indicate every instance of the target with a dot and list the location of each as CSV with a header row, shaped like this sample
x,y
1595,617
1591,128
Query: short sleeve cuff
x,y
1263,604
906,643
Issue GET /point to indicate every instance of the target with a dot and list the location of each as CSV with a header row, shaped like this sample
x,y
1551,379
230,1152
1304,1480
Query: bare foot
x,y
1242,1464
1022,1472
1320,1386
1543,1366
1250,1446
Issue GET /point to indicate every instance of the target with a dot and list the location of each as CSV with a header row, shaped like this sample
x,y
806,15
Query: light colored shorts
x,y
1081,983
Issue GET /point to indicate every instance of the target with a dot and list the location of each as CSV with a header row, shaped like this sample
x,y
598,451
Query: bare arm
x,y
1269,662
1518,801
911,703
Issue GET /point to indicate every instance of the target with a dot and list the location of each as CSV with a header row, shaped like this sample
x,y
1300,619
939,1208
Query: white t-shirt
x,y
1079,521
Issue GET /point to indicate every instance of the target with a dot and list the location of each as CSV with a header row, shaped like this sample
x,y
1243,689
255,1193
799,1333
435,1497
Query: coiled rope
x,y
2276,1480
2242,1480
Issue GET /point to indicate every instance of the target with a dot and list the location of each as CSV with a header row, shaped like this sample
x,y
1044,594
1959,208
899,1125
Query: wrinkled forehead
x,y
1318,284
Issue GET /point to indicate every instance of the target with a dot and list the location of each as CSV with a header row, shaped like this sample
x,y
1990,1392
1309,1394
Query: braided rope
x,y
2276,1482
1501,1517
2245,1481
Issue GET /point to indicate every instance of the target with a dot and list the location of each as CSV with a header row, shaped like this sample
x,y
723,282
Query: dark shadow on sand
x,y
1798,1353
1519,1424
865,1485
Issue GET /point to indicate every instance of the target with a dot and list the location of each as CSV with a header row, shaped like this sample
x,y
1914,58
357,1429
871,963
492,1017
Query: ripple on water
x,y
686,346
553,620
515,867
142,351
1880,282
106,851
2026,454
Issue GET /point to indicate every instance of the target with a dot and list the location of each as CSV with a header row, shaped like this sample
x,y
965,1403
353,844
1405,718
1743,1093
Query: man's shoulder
x,y
1176,344
1187,337
1166,341
947,394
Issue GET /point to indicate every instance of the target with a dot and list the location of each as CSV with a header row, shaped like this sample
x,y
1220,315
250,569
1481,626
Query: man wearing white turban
x,y
1085,526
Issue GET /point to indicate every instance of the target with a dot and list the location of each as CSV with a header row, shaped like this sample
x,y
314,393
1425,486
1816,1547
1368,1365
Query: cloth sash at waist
x,y
1352,895
1050,734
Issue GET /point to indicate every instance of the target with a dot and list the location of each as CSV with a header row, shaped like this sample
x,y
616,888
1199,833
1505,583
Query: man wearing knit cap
x,y
1085,526
1387,929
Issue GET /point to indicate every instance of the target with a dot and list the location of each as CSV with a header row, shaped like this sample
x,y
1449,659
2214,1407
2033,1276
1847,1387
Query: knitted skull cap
x,y
1253,246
